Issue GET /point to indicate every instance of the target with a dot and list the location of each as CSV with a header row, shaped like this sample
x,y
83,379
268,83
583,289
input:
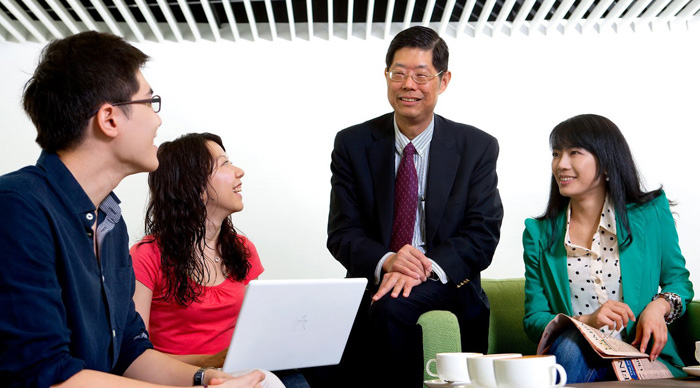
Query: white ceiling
x,y
40,21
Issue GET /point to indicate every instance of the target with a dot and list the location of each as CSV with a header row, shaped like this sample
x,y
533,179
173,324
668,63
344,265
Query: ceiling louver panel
x,y
269,20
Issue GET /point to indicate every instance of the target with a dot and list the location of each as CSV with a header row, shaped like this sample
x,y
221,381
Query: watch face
x,y
199,376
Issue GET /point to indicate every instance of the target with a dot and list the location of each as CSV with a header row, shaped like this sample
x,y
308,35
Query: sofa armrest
x,y
685,331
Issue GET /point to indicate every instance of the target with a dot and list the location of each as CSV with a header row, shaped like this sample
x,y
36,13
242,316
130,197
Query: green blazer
x,y
652,260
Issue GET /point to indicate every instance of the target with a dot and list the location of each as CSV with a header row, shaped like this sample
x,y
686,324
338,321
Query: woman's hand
x,y
652,323
615,315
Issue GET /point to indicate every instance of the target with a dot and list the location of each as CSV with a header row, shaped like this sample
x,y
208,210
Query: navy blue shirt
x,y
61,309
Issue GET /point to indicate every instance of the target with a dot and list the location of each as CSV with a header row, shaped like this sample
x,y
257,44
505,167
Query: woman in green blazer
x,y
605,252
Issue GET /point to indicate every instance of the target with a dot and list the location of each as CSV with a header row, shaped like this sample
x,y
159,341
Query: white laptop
x,y
287,324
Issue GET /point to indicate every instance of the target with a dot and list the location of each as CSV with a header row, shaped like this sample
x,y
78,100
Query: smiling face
x,y
137,148
225,184
575,171
414,103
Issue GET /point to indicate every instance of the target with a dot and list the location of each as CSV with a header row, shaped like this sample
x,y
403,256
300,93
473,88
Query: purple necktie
x,y
405,200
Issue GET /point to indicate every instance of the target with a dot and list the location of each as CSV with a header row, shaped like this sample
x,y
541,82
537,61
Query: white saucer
x,y
692,370
437,383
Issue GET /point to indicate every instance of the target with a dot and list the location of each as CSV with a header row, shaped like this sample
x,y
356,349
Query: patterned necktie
x,y
405,200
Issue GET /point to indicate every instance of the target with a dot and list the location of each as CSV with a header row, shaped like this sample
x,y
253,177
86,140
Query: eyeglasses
x,y
419,78
154,102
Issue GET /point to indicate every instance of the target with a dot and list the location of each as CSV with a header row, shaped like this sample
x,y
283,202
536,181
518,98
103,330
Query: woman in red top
x,y
192,267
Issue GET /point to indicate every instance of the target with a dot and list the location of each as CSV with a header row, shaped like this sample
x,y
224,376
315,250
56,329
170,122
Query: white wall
x,y
278,106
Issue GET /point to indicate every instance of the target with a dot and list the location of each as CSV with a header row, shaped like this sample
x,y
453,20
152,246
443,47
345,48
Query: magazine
x,y
627,361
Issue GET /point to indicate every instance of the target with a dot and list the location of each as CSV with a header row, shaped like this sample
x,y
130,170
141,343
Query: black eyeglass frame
x,y
153,100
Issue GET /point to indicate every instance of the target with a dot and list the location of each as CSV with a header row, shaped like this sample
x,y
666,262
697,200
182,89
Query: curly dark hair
x,y
176,218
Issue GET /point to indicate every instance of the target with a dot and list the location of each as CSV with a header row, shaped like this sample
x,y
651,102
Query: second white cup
x,y
697,350
528,372
451,367
481,369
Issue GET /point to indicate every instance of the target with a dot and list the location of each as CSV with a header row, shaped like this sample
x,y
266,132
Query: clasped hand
x,y
404,270
615,314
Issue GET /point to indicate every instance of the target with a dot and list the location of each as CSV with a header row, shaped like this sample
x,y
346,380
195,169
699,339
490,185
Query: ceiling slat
x,y
484,17
271,19
558,16
106,16
576,16
310,18
409,13
464,18
9,25
189,18
594,16
614,13
536,21
129,18
351,7
429,9
150,20
170,19
522,14
251,19
330,19
387,19
502,16
44,18
290,17
370,16
83,14
211,20
445,19
63,15
24,19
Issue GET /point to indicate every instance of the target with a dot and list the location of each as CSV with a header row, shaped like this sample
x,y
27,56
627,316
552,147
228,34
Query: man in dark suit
x,y
415,209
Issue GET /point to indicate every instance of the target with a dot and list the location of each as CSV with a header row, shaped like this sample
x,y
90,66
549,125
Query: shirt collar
x,y
60,177
607,220
420,142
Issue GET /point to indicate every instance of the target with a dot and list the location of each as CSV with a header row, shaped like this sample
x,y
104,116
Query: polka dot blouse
x,y
594,273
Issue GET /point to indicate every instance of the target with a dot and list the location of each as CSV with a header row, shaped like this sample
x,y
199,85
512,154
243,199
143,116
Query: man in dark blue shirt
x,y
66,282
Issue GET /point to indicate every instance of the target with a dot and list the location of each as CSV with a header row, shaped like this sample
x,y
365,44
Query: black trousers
x,y
385,348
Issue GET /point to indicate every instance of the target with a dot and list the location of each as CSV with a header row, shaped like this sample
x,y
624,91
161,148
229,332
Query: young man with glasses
x,y
67,282
415,209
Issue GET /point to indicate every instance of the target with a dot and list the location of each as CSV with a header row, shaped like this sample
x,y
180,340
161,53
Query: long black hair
x,y
176,218
603,139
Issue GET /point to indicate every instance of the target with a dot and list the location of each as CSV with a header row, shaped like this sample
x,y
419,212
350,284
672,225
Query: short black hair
x,y
423,38
76,75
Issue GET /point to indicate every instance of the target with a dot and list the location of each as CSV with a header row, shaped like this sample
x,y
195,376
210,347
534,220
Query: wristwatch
x,y
199,376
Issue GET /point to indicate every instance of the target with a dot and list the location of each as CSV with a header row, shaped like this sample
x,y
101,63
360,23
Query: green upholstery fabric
x,y
685,331
440,335
506,333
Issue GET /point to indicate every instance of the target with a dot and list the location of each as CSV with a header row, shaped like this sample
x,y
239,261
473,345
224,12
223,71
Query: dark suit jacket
x,y
462,206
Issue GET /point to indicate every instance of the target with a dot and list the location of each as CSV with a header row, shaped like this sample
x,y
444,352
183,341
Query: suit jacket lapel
x,y
442,169
631,261
380,157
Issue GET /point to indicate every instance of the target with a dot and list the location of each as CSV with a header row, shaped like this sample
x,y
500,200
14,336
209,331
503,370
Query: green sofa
x,y
506,334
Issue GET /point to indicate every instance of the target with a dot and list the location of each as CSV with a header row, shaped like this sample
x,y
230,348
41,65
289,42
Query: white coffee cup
x,y
528,372
481,369
451,367
697,350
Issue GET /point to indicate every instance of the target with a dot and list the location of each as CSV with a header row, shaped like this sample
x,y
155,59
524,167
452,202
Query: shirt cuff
x,y
378,269
442,276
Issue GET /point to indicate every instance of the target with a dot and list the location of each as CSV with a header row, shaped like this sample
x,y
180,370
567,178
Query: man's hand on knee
x,y
396,282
